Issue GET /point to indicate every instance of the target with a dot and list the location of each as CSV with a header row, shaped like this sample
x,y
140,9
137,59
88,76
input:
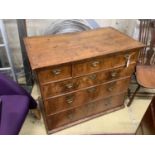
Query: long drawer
x,y
60,103
57,88
83,111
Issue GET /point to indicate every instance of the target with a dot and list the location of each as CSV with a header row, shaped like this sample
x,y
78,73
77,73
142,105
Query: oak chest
x,y
82,75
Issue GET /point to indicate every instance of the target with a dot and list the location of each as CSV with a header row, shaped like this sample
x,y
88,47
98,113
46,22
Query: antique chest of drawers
x,y
81,75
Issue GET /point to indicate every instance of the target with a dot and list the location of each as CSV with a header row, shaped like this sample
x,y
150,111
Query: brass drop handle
x,y
56,71
91,90
70,116
93,76
113,74
69,85
70,99
95,63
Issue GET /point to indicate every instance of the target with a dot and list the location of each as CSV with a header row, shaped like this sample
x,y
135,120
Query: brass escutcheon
x,y
69,85
56,71
92,77
113,74
95,63
69,99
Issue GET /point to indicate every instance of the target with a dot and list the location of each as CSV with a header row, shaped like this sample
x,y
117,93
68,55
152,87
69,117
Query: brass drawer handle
x,y
70,99
70,116
56,71
91,90
93,76
95,63
113,74
69,85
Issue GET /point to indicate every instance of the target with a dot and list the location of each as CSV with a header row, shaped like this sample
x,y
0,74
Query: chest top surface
x,y
44,51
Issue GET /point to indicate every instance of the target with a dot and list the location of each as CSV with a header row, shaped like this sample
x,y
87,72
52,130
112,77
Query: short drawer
x,y
57,104
54,73
57,88
84,111
105,62
65,117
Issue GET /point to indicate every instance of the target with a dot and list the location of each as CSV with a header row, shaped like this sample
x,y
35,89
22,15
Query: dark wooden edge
x,y
85,119
43,113
41,106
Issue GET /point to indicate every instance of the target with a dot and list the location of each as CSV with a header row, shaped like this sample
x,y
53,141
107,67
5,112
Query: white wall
x,y
39,26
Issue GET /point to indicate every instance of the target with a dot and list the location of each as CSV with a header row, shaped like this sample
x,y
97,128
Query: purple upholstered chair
x,y
14,105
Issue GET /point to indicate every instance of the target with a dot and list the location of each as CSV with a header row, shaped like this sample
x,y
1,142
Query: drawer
x,y
104,104
65,117
83,111
102,63
57,104
57,88
54,73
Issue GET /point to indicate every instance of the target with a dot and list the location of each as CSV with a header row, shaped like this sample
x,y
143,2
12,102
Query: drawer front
x,y
102,63
104,104
65,117
61,87
83,111
78,98
54,73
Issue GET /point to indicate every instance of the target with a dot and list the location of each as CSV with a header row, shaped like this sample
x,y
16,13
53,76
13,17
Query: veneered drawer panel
x,y
65,86
57,104
62,118
65,117
54,73
64,102
105,62
104,104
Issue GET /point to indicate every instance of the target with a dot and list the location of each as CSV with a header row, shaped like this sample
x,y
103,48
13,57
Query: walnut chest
x,y
82,75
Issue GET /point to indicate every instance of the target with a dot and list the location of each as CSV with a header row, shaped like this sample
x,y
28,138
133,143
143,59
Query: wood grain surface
x,y
45,51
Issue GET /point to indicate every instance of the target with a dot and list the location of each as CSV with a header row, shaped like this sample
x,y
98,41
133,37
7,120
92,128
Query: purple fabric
x,y
9,87
0,109
15,104
14,111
